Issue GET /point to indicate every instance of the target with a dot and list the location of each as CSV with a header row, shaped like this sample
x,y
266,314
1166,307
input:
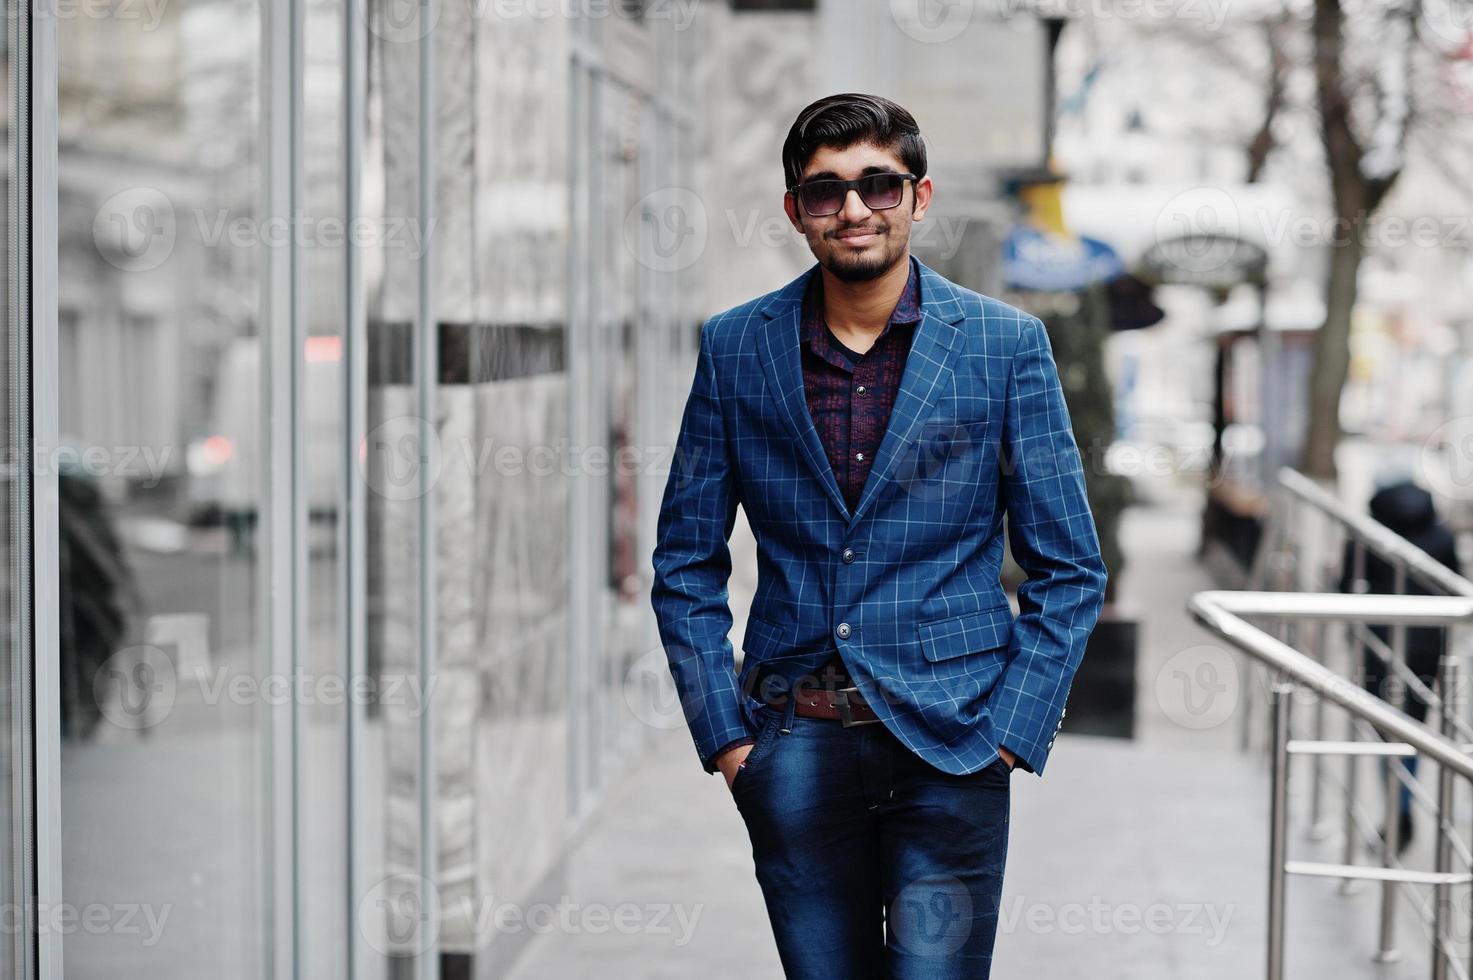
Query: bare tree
x,y
1379,91
1263,143
1362,170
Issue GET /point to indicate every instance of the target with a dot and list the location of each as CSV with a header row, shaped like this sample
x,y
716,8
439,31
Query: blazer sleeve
x,y
692,565
1053,538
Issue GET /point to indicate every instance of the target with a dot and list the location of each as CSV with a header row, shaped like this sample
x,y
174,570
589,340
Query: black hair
x,y
840,121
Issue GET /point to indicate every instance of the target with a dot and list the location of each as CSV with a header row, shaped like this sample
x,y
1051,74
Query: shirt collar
x,y
907,309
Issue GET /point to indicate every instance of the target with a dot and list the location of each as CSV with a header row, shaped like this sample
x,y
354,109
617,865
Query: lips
x,y
858,237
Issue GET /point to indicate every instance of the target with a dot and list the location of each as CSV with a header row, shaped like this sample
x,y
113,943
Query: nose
x,y
854,209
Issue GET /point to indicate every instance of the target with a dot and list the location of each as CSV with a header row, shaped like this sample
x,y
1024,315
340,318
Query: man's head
x,y
864,232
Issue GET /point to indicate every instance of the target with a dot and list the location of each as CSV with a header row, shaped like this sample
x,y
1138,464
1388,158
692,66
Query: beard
x,y
873,262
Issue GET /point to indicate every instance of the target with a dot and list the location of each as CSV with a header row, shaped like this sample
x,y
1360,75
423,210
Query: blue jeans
x,y
873,863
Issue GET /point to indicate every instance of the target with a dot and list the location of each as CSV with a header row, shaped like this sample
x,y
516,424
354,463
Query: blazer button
x,y
848,556
843,631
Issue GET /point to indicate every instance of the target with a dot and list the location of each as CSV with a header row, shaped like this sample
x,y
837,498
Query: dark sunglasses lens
x,y
822,197
882,191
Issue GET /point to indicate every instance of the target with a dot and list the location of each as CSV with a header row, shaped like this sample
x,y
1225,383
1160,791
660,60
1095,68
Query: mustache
x,y
875,229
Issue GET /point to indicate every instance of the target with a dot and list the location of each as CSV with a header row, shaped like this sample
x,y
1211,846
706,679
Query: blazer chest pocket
x,y
942,639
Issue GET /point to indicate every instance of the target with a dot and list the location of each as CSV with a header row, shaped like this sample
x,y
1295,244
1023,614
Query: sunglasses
x,y
825,196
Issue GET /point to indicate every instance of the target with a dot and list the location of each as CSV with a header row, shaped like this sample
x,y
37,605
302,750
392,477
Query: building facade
x,y
347,342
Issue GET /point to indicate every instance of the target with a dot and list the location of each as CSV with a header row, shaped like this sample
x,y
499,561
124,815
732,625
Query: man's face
x,y
858,244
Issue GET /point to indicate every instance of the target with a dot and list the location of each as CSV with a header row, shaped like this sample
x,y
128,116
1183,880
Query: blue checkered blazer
x,y
907,586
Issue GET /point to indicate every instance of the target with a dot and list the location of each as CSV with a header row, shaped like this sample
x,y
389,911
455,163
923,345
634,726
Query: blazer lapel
x,y
928,369
777,349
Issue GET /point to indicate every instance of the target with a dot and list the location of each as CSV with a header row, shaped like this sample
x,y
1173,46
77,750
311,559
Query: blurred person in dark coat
x,y
1407,509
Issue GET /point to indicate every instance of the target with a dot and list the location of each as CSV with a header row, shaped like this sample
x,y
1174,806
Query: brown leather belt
x,y
844,704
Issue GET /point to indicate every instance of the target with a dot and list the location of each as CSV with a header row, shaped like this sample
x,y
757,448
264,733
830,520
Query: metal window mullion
x,y
582,601
649,331
281,27
34,183
596,500
426,368
298,423
575,271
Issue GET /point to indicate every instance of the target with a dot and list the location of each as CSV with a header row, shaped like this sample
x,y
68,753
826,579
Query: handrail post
x,y
1282,700
1247,672
1265,558
1317,829
1450,682
1358,581
1395,694
1390,834
1352,769
1356,666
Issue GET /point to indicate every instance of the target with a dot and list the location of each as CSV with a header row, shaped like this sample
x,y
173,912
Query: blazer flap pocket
x,y
763,639
967,633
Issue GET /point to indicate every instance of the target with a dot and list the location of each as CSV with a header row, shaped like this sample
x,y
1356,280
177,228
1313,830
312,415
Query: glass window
x,y
166,695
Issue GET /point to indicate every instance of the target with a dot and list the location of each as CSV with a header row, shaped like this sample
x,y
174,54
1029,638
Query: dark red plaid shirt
x,y
849,397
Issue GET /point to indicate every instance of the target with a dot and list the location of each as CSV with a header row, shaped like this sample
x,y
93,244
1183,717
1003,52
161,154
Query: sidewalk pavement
x,y
1142,859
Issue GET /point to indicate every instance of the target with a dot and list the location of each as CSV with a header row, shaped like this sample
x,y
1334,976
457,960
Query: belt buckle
x,y
846,714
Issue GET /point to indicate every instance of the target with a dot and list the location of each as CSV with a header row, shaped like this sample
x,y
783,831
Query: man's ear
x,y
921,198
790,207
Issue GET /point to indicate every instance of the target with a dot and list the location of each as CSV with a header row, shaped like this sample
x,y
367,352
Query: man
x,y
1409,510
876,422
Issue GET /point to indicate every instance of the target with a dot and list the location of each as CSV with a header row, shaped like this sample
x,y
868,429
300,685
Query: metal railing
x,y
1298,490
1227,615
1307,540
1309,537
1286,560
